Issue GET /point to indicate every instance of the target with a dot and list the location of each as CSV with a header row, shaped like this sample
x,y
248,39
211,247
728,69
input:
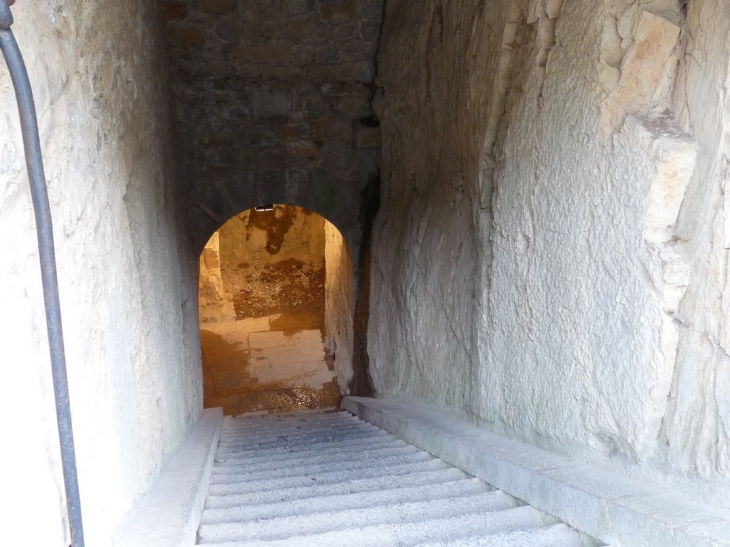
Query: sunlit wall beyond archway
x,y
276,306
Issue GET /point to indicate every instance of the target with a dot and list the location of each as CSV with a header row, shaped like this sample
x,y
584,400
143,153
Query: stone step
x,y
329,479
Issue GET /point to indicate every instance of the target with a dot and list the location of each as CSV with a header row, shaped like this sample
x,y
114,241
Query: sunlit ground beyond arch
x,y
268,339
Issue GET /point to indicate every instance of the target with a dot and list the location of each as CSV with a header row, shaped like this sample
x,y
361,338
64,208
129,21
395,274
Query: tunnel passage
x,y
271,103
276,310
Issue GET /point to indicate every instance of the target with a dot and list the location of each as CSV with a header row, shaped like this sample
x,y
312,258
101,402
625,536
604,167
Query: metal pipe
x,y
47,254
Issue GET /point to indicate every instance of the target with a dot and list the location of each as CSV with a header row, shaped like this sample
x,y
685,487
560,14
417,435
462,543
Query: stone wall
x,y
550,257
339,302
214,302
127,276
268,97
265,237
266,262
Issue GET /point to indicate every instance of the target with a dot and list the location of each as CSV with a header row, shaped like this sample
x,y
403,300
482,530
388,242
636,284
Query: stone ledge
x,y
617,510
169,514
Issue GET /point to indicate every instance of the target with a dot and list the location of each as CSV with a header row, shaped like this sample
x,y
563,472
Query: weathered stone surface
x,y
186,37
214,303
558,273
299,7
126,269
281,82
175,10
366,136
215,7
339,304
338,9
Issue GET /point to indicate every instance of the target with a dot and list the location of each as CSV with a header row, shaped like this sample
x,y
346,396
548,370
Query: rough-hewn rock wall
x,y
267,95
559,271
434,105
214,302
127,278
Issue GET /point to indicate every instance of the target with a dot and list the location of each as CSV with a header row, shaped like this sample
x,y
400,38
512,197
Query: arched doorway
x,y
276,299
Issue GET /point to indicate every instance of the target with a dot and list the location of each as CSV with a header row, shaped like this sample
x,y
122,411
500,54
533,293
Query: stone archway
x,y
276,302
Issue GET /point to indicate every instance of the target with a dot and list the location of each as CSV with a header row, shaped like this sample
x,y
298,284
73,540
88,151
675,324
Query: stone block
x,y
303,55
229,32
174,10
371,10
265,6
327,54
359,50
263,54
352,107
298,7
370,31
338,10
186,37
365,136
269,73
343,33
361,71
304,149
215,7
293,32
316,33
291,132
269,103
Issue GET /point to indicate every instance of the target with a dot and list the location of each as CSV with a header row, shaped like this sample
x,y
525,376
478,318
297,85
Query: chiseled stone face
x,y
267,95
126,269
549,253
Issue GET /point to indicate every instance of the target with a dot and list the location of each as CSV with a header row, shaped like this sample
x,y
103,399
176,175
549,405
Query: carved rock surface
x,y
126,269
551,253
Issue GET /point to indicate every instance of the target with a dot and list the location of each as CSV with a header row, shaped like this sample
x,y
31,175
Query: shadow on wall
x,y
276,300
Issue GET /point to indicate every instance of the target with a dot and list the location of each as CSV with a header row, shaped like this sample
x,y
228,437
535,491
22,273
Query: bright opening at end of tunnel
x,y
276,304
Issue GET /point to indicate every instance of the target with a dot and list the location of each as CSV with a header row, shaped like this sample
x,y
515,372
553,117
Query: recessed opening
x,y
274,300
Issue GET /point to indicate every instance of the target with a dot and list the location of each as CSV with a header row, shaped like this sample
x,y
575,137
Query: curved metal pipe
x,y
46,251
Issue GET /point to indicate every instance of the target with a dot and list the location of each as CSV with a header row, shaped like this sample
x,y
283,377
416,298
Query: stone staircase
x,y
330,479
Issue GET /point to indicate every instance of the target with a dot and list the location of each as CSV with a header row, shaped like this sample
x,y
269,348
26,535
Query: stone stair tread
x,y
303,441
303,467
318,504
314,457
320,473
342,479
355,443
353,486
409,533
331,479
557,535
343,518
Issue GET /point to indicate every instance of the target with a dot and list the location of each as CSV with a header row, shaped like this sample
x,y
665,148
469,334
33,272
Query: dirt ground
x,y
289,297
272,356
290,286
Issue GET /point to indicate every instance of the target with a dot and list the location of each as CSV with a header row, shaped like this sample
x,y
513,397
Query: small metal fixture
x,y
264,208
